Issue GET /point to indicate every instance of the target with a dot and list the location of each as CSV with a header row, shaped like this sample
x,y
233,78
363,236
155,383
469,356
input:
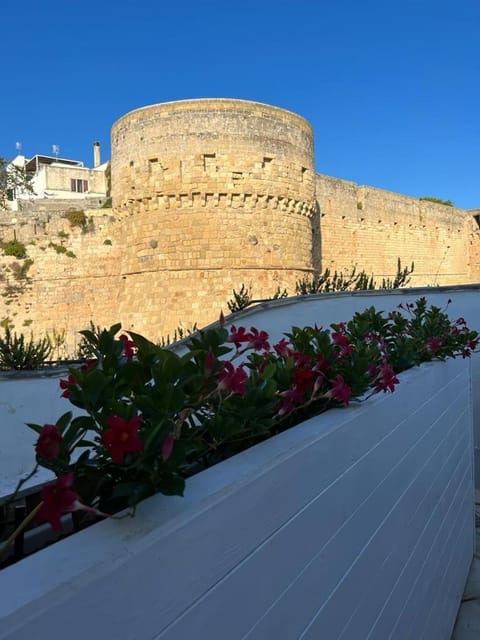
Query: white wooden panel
x,y
348,502
374,485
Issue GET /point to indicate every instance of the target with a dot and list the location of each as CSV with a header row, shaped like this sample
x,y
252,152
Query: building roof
x,y
32,164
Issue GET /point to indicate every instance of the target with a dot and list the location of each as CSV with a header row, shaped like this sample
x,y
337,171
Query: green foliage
x,y
16,352
153,417
179,334
77,219
13,181
107,204
59,248
338,281
63,234
328,282
241,299
20,270
14,248
447,203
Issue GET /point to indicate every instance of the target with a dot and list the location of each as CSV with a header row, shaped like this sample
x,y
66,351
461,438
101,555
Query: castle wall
x,y
215,193
209,195
371,228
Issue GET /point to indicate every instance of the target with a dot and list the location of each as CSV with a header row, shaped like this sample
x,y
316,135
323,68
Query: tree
x,y
13,179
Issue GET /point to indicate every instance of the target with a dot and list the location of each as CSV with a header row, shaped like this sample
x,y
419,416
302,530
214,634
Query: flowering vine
x,y
153,417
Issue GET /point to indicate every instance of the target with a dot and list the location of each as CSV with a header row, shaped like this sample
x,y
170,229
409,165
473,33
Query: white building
x,y
60,178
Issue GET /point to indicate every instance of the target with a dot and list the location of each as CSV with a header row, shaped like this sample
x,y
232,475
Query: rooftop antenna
x,y
56,149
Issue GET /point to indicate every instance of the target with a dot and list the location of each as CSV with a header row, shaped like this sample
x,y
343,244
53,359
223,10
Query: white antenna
x,y
56,149
18,146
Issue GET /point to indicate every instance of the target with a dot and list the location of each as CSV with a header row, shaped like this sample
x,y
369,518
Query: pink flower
x,y
121,437
49,442
386,379
210,362
300,359
237,336
258,340
232,380
302,379
340,390
58,498
321,365
128,347
167,447
434,344
289,400
71,381
282,348
340,339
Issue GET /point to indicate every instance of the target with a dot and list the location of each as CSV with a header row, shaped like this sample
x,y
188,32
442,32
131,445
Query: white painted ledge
x,y
356,524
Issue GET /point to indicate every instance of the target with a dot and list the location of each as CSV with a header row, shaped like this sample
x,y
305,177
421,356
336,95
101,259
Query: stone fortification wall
x,y
207,195
370,228
212,194
73,277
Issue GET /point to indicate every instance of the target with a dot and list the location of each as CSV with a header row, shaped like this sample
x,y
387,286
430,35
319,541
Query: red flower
x,y
58,498
340,390
258,340
434,344
167,447
340,338
289,400
303,379
282,348
48,443
300,359
231,379
128,347
386,379
121,437
237,336
322,365
210,362
71,381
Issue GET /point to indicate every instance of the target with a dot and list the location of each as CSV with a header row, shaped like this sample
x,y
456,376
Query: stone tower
x,y
211,194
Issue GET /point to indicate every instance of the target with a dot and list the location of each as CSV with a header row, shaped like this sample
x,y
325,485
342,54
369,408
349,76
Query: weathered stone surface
x,y
207,195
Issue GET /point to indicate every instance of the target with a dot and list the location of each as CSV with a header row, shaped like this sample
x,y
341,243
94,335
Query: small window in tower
x,y
266,162
209,162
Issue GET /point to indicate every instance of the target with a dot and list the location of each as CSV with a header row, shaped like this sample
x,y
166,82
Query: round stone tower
x,y
212,194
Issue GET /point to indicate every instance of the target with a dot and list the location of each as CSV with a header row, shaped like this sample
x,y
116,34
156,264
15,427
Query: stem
x,y
20,528
19,486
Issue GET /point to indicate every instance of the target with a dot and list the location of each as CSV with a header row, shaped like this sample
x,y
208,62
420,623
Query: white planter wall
x,y
33,398
357,524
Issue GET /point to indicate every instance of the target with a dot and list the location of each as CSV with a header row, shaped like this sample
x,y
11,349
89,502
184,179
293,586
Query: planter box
x,y
358,523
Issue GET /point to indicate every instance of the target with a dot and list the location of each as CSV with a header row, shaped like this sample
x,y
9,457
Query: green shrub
x,y
447,203
77,219
59,248
20,271
18,353
14,248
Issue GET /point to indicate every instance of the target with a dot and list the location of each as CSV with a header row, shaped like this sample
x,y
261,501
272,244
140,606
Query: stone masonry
x,y
209,195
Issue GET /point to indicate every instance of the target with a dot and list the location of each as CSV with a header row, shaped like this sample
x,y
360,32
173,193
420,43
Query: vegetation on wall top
x,y
447,203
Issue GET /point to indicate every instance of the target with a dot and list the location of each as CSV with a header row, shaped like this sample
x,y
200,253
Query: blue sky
x,y
391,87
